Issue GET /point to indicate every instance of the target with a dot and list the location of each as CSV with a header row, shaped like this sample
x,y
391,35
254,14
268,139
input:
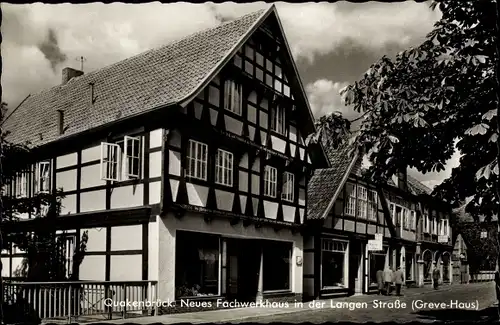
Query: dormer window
x,y
121,161
233,96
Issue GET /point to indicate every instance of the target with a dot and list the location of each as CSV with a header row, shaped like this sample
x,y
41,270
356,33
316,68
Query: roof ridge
x,y
157,48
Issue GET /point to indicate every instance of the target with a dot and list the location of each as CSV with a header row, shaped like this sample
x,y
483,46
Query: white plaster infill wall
x,y
168,226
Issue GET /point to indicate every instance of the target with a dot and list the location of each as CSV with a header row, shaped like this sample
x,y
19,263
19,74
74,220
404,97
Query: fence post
x,y
125,301
70,302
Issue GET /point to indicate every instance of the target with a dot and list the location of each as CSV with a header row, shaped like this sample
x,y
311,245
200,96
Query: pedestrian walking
x,y
380,280
435,277
398,280
388,280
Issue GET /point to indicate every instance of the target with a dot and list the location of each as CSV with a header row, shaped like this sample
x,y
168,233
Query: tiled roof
x,y
416,187
324,185
153,79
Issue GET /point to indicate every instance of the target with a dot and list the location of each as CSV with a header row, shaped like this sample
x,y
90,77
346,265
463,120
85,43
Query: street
x,y
459,304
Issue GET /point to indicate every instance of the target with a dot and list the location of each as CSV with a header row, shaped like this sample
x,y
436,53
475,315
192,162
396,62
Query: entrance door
x,y
354,280
243,269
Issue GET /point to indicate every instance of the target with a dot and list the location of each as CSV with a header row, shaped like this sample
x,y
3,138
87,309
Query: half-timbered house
x,y
434,234
356,228
186,164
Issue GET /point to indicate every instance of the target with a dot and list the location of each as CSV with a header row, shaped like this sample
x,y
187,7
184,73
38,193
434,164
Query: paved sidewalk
x,y
239,314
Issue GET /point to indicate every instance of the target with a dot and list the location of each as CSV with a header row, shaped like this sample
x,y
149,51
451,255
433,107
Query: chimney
x,y
70,73
60,115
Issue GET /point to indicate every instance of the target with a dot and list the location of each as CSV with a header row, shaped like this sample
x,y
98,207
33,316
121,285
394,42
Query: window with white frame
x,y
372,204
110,161
270,181
426,223
42,177
278,119
362,201
413,219
350,203
445,227
333,259
121,161
131,157
232,97
224,168
196,160
435,229
287,193
22,184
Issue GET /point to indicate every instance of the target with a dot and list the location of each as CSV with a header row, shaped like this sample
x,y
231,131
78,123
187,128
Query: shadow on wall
x,y
486,315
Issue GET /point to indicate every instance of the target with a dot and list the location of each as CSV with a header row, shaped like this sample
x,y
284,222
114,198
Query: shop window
x,y
277,266
196,264
333,254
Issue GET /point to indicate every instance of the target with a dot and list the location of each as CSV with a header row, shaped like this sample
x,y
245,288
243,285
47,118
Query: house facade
x,y
186,164
356,228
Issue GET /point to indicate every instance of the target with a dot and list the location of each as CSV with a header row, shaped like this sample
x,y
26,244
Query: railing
x,y
482,276
84,299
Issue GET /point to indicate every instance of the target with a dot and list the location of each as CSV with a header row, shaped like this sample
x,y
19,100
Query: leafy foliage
x,y
482,252
45,250
431,99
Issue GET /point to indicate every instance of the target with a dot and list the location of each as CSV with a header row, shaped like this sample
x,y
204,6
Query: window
x,y
288,187
22,184
196,264
362,201
42,177
392,208
278,119
122,160
406,218
270,181
413,219
350,205
443,229
399,216
132,158
426,223
197,160
224,168
232,97
372,205
333,253
435,229
276,265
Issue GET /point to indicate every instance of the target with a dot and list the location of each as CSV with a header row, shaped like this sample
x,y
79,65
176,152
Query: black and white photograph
x,y
176,162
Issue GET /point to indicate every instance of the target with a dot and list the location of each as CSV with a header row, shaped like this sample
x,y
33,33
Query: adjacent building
x,y
186,164
356,228
477,244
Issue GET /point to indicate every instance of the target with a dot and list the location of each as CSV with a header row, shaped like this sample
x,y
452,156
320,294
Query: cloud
x,y
50,49
320,28
324,97
106,33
